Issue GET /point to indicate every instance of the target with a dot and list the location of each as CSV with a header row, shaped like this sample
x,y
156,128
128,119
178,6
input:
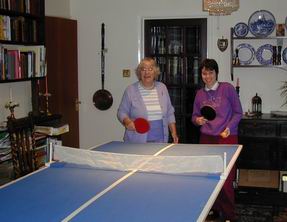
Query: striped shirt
x,y
151,102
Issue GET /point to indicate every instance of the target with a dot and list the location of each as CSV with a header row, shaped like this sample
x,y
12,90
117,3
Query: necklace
x,y
147,87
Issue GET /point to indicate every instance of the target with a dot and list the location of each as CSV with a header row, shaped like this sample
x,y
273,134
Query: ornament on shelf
x,y
11,106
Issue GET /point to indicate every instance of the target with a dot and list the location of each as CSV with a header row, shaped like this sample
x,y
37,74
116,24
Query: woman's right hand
x,y
200,120
129,124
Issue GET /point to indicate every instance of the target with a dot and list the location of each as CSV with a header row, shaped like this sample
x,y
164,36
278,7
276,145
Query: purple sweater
x,y
227,105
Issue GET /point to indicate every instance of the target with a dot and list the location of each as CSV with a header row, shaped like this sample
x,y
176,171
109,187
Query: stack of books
x,y
5,148
52,131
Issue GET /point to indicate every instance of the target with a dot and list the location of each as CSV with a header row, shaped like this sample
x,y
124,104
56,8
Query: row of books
x,y
20,62
42,152
18,29
172,69
42,147
170,40
23,6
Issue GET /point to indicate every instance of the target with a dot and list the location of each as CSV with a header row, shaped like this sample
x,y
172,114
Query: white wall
x,y
123,31
123,35
57,8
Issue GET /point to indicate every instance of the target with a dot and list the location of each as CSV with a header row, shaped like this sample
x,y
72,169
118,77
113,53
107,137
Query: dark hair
x,y
209,64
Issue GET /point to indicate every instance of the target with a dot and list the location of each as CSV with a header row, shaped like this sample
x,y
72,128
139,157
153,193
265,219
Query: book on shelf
x,y
6,157
52,131
19,61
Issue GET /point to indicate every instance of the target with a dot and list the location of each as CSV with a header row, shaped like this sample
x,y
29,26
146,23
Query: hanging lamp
x,y
220,7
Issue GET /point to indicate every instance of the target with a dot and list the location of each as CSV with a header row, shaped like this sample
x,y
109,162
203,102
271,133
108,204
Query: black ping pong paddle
x,y
208,112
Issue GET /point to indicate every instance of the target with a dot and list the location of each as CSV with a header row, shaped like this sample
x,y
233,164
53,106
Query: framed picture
x,y
280,29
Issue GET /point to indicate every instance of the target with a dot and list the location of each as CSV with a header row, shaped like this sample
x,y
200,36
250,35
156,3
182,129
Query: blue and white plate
x,y
261,23
264,54
246,53
284,55
241,29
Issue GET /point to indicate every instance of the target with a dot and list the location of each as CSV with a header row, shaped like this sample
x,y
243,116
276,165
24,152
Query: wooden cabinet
x,y
264,139
264,148
178,45
22,40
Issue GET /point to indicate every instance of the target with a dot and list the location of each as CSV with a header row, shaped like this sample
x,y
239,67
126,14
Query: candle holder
x,y
237,89
11,106
46,95
237,86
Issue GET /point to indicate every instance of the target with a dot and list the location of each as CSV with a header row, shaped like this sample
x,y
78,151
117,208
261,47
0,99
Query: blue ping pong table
x,y
63,192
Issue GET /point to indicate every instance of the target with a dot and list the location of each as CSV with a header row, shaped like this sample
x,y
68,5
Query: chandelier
x,y
220,7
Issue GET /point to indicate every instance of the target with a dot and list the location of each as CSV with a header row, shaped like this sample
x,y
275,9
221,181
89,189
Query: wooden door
x,y
62,72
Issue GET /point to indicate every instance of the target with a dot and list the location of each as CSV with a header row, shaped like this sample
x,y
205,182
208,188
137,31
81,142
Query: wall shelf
x,y
234,39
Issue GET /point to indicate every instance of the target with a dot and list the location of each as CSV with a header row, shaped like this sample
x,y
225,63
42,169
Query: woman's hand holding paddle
x,y
140,125
201,120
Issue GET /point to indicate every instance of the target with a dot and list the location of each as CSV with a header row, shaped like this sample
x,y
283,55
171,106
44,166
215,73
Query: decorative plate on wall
x,y
264,54
246,53
241,29
261,23
284,55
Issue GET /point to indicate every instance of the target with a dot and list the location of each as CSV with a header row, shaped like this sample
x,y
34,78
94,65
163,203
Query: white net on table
x,y
144,163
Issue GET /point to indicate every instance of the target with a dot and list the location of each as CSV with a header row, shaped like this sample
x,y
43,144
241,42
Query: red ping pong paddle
x,y
208,112
141,125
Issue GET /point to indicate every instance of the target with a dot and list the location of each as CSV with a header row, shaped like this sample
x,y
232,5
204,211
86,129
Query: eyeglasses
x,y
145,69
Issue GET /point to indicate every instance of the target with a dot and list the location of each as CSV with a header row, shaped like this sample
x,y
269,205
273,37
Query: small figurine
x,y
11,106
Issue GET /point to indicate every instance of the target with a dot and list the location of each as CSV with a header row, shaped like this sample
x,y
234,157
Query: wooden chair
x,y
22,145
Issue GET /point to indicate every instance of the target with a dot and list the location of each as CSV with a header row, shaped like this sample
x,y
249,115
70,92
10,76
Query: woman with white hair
x,y
148,99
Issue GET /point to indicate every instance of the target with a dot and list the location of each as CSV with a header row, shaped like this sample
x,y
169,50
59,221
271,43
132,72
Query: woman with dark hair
x,y
148,99
222,97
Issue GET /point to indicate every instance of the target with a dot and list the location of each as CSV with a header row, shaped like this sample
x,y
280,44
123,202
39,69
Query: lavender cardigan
x,y
132,106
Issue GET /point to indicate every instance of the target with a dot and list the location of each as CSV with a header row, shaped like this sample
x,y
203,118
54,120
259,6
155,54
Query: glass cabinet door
x,y
178,46
175,40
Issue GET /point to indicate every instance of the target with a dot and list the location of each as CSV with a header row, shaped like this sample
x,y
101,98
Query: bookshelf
x,y
22,43
178,46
